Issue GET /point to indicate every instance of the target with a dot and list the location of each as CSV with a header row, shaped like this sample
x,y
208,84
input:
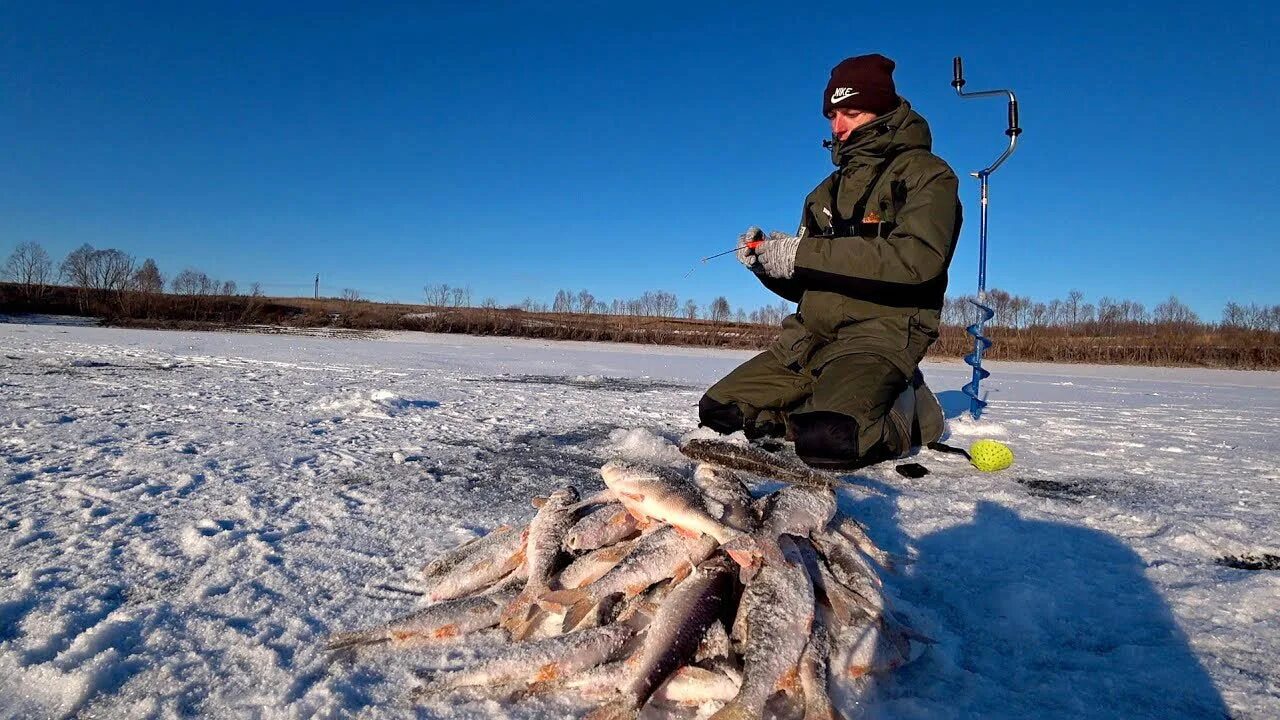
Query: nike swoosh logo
x,y
839,95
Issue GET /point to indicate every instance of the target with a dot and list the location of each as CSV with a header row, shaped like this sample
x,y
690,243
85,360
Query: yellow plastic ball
x,y
990,455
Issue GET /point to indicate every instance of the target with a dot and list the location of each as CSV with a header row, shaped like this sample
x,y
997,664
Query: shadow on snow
x,y
1033,619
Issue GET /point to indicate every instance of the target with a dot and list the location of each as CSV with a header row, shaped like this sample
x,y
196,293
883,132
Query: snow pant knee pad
x,y
724,418
826,439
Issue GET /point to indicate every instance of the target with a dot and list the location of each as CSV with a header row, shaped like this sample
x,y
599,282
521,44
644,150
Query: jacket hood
x,y
889,134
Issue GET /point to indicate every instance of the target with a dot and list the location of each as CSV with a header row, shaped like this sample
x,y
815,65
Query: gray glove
x,y
746,255
777,256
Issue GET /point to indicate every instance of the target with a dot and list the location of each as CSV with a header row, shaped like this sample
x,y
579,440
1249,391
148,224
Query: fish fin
x,y
733,710
563,598
789,683
516,613
636,514
682,572
449,630
578,612
745,551
550,672
538,502
342,641
686,533
614,553
843,609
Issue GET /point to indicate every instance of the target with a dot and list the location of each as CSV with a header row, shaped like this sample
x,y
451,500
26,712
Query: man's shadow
x,y
1033,619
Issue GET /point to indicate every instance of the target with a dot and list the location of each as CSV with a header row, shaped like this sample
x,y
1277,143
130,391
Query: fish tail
x,y
523,629
578,613
744,550
515,611
733,710
342,641
558,599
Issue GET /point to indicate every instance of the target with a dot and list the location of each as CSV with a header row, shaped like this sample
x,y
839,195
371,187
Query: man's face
x,y
844,122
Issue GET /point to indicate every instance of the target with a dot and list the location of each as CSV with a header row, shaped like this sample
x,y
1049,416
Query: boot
x,y
900,423
931,422
916,418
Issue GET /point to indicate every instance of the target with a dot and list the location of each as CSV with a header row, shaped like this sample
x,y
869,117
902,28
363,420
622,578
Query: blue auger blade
x,y
981,344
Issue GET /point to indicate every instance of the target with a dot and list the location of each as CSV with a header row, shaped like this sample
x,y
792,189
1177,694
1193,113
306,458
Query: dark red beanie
x,y
862,83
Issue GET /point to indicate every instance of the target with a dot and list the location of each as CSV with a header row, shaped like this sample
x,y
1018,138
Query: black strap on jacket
x,y
855,225
929,294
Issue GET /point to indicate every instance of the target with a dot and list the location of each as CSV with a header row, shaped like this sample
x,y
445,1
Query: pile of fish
x,y
669,594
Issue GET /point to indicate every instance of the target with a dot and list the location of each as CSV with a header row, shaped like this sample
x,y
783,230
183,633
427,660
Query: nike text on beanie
x,y
862,83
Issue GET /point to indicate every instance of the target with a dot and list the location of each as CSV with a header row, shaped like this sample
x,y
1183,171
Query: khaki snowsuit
x,y
877,237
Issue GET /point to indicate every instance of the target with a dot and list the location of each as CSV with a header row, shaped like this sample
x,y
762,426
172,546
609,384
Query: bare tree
x,y
460,297
189,282
437,295
719,310
563,302
586,301
77,268
350,295
147,279
228,288
29,266
691,309
113,270
1174,312
1072,307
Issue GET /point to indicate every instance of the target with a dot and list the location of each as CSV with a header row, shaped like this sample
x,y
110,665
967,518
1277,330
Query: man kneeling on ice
x,y
869,270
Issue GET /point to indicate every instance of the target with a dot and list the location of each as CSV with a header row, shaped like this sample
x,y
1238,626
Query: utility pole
x,y
317,295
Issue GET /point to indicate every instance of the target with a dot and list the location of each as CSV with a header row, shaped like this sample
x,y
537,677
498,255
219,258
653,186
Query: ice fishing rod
x,y
751,245
981,343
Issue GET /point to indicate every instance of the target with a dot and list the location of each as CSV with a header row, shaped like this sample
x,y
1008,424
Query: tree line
x,y
107,270
116,275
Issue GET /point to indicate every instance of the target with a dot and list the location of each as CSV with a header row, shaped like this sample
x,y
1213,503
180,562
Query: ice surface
x,y
187,516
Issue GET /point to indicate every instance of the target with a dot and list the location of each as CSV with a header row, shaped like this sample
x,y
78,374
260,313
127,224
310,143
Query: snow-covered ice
x,y
186,516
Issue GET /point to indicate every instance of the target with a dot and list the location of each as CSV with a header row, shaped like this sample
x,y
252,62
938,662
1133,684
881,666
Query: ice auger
x,y
982,343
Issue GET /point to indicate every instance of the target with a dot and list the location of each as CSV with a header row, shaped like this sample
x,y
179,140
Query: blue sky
x,y
521,147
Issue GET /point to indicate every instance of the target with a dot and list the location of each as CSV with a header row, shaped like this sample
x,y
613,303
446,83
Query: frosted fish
x,y
813,674
657,556
542,550
723,487
794,510
774,618
590,502
673,636
854,532
664,495
590,567
850,569
754,460
441,622
605,526
535,661
797,510
475,565
875,645
694,685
